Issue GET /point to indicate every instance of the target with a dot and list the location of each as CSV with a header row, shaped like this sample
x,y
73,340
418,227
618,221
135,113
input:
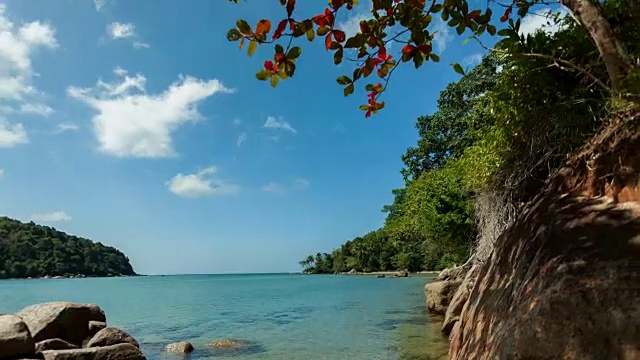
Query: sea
x,y
277,316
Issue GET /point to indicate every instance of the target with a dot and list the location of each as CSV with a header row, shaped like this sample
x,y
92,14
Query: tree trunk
x,y
591,17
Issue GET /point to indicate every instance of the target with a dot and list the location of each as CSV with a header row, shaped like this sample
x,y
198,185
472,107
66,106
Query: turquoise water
x,y
283,316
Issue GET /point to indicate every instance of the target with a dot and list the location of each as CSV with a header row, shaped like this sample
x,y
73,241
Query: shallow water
x,y
283,316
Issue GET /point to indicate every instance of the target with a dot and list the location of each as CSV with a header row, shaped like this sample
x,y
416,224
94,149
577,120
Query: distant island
x,y
29,250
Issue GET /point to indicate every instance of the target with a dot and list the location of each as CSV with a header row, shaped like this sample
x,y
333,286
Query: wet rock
x,y
124,351
95,326
54,344
111,336
15,338
62,320
229,344
452,314
183,347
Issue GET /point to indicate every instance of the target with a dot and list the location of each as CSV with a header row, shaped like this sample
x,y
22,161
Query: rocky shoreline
x,y
74,331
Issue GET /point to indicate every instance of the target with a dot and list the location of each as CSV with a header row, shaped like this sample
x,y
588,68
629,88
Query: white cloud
x,y
36,108
472,60
276,188
237,121
442,35
130,122
140,45
201,184
119,30
1,173
99,4
12,135
17,46
241,139
352,25
64,127
279,123
51,217
542,20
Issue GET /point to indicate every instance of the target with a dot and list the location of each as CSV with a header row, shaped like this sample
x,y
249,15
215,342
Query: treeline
x,y
496,136
31,250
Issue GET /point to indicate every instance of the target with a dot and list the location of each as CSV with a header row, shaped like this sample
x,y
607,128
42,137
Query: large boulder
x,y
183,347
114,352
54,344
62,320
439,295
15,338
95,326
452,314
562,283
111,336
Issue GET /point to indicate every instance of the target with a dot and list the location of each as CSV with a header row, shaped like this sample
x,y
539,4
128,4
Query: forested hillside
x,y
497,135
31,250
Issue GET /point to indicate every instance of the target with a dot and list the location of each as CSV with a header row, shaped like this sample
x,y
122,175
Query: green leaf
x,y
253,46
234,35
289,68
369,87
418,59
436,8
322,31
279,49
343,80
491,29
357,73
282,74
364,107
337,57
355,41
434,57
504,32
263,74
294,52
460,28
274,80
458,68
311,34
349,90
244,27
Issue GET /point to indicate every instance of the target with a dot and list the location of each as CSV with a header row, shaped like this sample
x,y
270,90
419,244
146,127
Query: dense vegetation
x,y
31,250
498,133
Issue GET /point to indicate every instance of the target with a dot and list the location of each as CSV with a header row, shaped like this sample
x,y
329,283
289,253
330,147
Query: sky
x,y
137,124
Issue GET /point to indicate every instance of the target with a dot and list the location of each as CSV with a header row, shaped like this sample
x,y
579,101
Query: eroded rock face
x,y
452,314
183,347
15,339
62,320
54,344
95,326
111,336
113,352
439,295
562,283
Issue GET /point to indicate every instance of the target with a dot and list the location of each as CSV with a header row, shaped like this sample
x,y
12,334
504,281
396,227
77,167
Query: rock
x,y
452,314
15,338
95,326
183,347
380,276
111,336
401,274
439,295
456,273
124,351
352,272
63,320
562,283
54,344
229,344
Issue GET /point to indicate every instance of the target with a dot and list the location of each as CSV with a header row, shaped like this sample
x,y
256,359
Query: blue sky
x,y
137,124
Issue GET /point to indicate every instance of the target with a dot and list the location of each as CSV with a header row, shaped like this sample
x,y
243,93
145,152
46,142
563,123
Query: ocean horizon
x,y
280,316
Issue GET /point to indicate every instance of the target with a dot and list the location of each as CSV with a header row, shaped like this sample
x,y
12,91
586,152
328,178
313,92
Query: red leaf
x,y
329,16
335,4
327,41
368,114
382,53
291,4
474,14
425,48
268,65
280,29
364,27
339,35
319,20
390,12
409,49
292,24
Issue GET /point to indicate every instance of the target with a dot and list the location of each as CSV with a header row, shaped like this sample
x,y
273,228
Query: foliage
x,y
409,22
30,250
